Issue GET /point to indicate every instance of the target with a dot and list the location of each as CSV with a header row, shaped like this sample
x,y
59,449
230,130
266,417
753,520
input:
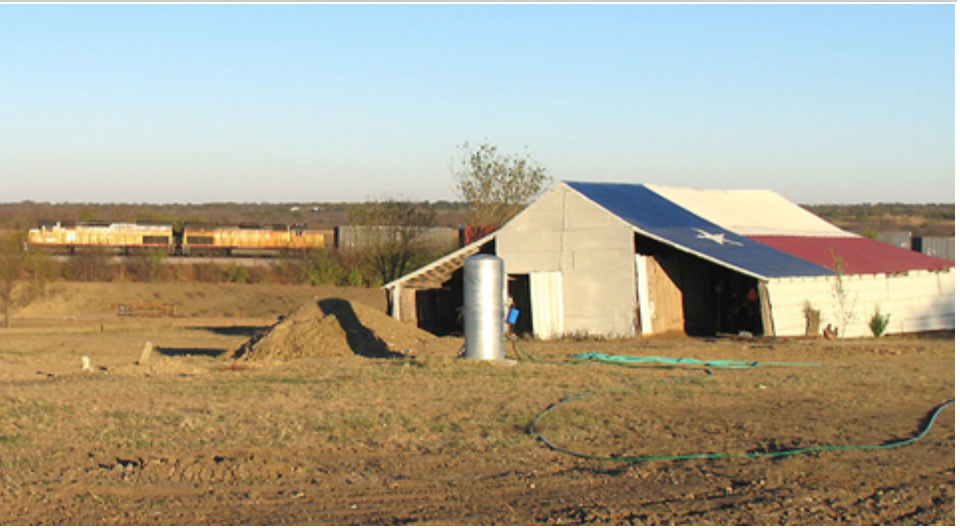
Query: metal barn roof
x,y
653,215
858,255
750,212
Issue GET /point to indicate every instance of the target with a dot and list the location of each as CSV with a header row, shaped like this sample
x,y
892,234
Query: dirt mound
x,y
334,327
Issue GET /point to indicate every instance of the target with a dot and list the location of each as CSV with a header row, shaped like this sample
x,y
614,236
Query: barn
x,y
618,260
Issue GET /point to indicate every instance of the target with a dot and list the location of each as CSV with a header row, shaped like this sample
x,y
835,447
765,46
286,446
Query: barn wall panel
x,y
599,304
916,302
600,275
532,240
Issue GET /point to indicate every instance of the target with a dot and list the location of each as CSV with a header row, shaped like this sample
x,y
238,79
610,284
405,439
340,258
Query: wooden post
x,y
766,310
145,355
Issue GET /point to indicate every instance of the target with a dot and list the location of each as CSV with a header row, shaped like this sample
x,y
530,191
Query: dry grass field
x,y
337,415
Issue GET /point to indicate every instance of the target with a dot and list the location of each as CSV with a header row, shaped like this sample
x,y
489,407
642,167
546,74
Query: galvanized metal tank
x,y
484,283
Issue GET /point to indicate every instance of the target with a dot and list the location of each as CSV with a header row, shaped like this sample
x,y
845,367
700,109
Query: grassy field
x,y
191,435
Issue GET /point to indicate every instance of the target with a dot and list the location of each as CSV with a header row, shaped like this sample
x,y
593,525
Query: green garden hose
x,y
628,360
715,363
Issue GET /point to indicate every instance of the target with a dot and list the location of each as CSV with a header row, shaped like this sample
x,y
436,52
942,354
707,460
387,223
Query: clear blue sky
x,y
319,103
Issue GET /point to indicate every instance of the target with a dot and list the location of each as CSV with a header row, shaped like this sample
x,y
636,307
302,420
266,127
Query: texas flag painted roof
x,y
759,233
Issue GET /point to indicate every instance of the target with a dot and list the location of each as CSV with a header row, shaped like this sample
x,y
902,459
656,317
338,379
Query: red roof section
x,y
859,255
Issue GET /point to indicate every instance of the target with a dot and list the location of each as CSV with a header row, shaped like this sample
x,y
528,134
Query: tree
x,y
387,235
497,186
23,274
845,302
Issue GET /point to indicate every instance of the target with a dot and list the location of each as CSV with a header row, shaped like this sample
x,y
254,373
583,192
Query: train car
x,y
210,240
126,238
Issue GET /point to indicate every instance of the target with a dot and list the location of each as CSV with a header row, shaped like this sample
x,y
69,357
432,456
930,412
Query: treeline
x,y
934,220
920,219
934,211
25,215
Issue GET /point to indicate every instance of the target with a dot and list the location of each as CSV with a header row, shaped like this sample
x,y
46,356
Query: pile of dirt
x,y
334,327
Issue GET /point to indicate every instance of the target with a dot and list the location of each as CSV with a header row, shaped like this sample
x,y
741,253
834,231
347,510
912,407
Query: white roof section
x,y
750,212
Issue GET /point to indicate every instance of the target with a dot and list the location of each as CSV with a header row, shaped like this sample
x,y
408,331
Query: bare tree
x,y
389,235
844,299
23,274
496,185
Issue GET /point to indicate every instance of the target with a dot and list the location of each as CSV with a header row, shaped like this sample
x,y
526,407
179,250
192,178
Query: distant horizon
x,y
339,103
350,202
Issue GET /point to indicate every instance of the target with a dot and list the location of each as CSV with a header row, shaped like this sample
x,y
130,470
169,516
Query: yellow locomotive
x,y
121,237
248,239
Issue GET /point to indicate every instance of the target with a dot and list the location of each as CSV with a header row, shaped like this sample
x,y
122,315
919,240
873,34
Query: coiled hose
x,y
726,364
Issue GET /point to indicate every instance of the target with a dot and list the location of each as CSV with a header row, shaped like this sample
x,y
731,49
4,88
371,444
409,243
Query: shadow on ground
x,y
242,331
362,340
181,352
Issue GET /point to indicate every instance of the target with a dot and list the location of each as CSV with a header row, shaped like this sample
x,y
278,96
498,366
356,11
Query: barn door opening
x,y
440,310
518,291
678,292
539,297
660,307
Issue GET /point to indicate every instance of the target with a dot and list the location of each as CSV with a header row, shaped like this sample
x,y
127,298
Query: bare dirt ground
x,y
337,416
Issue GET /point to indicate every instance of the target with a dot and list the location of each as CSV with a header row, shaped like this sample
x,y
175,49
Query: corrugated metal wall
x,y
901,239
941,247
359,237
916,301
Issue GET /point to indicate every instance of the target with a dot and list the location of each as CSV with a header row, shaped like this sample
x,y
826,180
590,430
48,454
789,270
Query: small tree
x,y
322,269
845,303
497,186
23,274
389,238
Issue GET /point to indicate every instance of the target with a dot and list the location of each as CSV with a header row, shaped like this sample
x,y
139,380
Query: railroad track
x,y
245,261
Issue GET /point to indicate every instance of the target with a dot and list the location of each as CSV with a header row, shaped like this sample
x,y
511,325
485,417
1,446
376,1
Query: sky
x,y
168,103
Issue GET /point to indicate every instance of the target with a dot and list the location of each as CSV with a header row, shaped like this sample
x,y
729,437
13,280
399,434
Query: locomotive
x,y
191,239
201,239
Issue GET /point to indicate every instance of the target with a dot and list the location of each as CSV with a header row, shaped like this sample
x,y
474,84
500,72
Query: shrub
x,y
146,267
236,274
355,278
879,322
322,270
91,265
206,273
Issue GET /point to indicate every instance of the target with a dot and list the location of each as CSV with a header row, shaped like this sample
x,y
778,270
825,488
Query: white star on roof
x,y
719,238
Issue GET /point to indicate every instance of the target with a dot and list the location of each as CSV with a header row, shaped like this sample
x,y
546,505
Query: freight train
x,y
191,239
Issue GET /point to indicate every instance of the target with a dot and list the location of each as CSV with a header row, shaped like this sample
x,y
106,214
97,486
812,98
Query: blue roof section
x,y
654,215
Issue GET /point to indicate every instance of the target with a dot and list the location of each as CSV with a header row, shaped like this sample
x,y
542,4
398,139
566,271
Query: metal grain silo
x,y
484,287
